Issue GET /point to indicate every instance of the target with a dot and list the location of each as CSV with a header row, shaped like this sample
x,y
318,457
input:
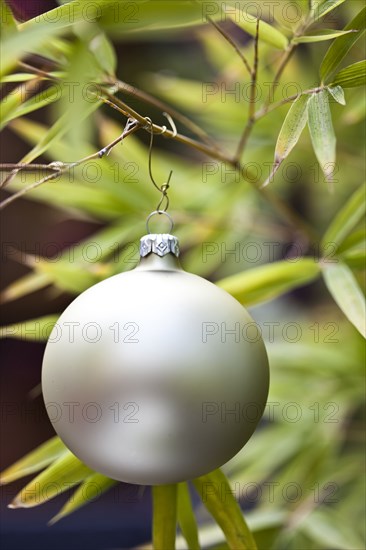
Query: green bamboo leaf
x,y
340,47
104,53
320,36
352,76
34,461
355,258
337,93
35,330
270,281
327,527
217,496
43,99
67,15
267,33
23,286
17,77
126,18
7,20
356,240
164,516
319,8
186,519
322,132
346,219
347,294
290,132
91,489
20,42
63,474
72,277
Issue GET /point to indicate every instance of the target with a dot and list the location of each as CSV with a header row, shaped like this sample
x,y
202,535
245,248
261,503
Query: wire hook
x,y
164,188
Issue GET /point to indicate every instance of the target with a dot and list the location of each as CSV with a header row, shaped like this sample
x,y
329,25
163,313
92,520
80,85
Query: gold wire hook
x,y
164,188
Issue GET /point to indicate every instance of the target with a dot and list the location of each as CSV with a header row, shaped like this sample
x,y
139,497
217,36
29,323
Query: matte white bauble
x,y
155,375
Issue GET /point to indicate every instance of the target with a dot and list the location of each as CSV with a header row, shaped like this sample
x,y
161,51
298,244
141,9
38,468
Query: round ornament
x,y
155,375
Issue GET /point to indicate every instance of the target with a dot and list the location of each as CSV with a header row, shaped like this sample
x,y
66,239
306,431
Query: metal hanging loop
x,y
159,212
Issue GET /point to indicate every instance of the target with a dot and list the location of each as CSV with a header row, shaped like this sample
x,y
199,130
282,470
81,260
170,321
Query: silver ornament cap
x,y
160,244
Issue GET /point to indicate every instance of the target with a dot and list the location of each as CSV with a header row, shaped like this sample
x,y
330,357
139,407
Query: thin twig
x,y
251,114
6,167
64,167
232,43
151,100
283,63
265,111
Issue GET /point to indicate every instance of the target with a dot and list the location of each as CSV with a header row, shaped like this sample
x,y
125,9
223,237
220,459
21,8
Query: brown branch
x,y
251,114
63,167
151,100
232,43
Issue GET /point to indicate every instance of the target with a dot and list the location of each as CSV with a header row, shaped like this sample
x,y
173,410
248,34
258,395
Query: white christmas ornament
x,y
155,375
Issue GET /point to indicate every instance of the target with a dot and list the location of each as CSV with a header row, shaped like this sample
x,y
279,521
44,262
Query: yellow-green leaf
x,y
347,294
34,461
346,219
186,519
35,329
63,474
322,7
352,76
340,47
43,99
337,93
25,285
164,499
267,33
7,20
19,42
322,131
104,53
355,258
270,281
320,36
216,494
290,132
88,491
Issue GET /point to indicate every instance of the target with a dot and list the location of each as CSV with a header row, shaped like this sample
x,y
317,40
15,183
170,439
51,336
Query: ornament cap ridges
x,y
160,244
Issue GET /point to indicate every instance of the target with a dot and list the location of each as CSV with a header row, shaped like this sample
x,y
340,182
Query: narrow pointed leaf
x,y
36,330
104,52
355,258
216,494
267,33
341,46
290,132
322,7
186,519
322,132
91,489
63,474
337,93
34,461
346,219
25,285
18,43
7,20
352,76
164,516
270,281
43,99
347,294
321,35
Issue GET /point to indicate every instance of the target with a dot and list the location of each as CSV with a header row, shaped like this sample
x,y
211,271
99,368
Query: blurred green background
x,y
293,252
